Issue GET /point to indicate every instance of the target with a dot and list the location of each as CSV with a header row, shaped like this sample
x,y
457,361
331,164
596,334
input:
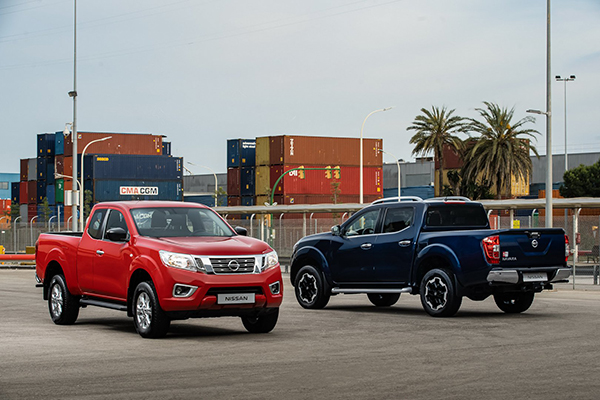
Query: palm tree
x,y
435,130
502,150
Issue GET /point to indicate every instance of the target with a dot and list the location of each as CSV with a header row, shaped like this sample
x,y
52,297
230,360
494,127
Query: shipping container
x,y
247,200
46,144
45,215
327,199
23,196
119,143
324,151
119,166
241,153
59,144
234,201
322,181
32,192
59,191
263,180
166,149
59,164
24,169
263,156
23,213
31,211
42,168
15,192
233,182
41,191
206,199
118,190
247,177
32,169
51,194
50,172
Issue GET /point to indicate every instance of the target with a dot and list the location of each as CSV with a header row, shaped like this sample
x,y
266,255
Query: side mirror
x,y
116,235
336,230
241,231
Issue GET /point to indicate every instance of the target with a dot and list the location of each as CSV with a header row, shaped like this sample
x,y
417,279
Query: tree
x,y
46,212
88,200
15,211
582,181
434,130
502,149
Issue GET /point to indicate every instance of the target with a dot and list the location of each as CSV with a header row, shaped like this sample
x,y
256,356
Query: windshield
x,y
179,222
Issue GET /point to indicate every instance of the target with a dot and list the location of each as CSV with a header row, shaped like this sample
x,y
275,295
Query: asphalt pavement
x,y
349,350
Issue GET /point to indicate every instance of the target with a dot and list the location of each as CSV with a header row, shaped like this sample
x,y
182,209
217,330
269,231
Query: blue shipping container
x,y
241,153
50,172
46,218
51,194
46,145
59,143
111,190
247,200
248,181
15,192
126,166
42,168
166,150
41,191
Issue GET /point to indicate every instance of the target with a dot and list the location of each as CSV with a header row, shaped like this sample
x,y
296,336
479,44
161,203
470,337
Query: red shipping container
x,y
24,169
23,197
233,201
316,150
31,211
316,181
59,164
233,181
119,143
66,213
32,193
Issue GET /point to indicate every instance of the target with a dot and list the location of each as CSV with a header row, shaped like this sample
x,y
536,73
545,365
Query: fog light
x,y
275,287
181,290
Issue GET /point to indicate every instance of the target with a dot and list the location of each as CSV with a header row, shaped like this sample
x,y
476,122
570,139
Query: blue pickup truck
x,y
441,249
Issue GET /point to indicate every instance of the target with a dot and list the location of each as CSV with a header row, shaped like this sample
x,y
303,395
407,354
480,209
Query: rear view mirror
x,y
241,231
116,234
335,230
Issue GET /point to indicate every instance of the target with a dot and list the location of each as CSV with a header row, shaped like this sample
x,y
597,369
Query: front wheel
x,y
438,294
261,324
514,303
63,306
149,319
310,288
383,299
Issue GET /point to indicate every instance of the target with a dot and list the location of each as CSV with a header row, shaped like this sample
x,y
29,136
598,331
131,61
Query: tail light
x,y
491,248
567,250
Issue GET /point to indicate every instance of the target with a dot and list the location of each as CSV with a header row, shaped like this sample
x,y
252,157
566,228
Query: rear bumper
x,y
516,276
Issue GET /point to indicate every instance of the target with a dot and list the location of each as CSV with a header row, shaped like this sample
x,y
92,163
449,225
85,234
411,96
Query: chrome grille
x,y
233,265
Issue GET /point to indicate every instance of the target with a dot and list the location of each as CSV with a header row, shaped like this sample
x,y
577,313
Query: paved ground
x,y
348,350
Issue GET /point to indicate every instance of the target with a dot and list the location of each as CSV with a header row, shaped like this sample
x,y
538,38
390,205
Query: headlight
x,y
176,260
270,260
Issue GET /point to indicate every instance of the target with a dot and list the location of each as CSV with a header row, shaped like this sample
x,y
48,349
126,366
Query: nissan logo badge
x,y
534,243
234,265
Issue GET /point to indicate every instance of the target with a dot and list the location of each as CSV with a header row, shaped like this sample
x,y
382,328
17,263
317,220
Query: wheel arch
x,y
53,268
436,256
139,275
308,256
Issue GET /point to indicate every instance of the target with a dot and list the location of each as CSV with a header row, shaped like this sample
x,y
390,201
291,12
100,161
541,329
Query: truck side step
x,y
102,303
354,290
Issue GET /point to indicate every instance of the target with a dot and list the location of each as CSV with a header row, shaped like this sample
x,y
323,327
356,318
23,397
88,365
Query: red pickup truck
x,y
160,261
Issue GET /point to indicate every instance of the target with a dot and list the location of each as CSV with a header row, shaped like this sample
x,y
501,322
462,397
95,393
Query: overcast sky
x,y
201,72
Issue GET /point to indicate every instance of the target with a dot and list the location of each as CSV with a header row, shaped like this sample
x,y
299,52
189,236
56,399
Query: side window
x,y
397,219
95,226
364,224
116,220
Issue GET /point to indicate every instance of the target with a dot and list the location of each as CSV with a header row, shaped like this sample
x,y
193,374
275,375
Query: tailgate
x,y
527,248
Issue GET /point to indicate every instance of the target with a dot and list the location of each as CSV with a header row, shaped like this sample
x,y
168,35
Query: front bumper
x,y
516,276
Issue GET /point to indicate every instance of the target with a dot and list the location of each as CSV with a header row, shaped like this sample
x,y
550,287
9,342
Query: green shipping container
x,y
59,187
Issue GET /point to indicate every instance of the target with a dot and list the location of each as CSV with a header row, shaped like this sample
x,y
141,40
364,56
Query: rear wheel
x,y
149,319
63,306
261,324
310,288
383,299
514,303
438,294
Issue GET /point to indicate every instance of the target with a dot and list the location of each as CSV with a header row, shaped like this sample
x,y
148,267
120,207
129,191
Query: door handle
x,y
99,252
404,243
366,246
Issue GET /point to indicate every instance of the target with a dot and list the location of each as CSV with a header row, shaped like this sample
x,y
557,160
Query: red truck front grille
x,y
233,265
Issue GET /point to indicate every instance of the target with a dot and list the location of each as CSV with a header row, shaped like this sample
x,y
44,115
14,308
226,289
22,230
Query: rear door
x,y
86,252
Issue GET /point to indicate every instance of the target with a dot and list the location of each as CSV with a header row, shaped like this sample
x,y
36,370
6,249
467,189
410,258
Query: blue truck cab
x,y
441,249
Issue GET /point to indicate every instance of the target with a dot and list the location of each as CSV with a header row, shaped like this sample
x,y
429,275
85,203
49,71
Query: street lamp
x,y
565,80
361,150
216,181
549,211
73,94
398,164
58,176
81,188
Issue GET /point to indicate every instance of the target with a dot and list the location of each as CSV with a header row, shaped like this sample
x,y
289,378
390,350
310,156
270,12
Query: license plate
x,y
235,298
535,276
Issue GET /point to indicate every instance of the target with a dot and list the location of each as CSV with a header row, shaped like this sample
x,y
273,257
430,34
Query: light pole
x,y
58,176
216,181
548,168
361,150
81,188
565,80
398,164
73,94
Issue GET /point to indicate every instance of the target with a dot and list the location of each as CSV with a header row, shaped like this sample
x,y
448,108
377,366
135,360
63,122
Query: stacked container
x,y
241,172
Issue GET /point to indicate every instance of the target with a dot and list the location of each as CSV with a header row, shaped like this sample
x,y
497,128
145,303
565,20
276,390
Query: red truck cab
x,y
160,261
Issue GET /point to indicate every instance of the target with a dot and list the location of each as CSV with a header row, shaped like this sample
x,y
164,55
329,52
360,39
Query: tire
x,y
63,306
514,303
149,319
438,294
311,289
383,299
261,324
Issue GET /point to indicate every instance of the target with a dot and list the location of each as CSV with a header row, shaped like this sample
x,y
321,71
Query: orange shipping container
x,y
120,143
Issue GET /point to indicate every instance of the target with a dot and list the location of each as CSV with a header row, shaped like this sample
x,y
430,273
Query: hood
x,y
212,246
